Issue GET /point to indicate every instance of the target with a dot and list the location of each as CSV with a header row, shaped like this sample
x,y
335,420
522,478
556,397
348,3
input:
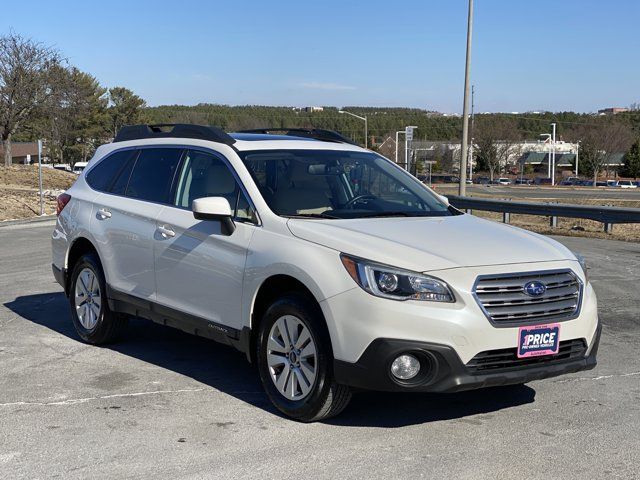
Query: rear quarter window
x,y
110,169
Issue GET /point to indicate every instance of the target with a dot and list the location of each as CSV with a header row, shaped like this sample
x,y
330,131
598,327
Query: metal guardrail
x,y
606,215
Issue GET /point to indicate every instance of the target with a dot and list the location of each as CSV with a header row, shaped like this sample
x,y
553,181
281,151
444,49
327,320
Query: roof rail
x,y
316,133
174,130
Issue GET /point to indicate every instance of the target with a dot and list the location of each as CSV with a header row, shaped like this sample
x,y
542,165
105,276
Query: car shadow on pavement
x,y
227,370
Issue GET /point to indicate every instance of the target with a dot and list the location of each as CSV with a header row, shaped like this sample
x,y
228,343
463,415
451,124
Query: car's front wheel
x,y
295,361
92,318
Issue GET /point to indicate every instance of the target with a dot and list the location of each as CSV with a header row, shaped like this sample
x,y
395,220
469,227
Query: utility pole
x,y
577,156
553,154
40,175
462,190
473,91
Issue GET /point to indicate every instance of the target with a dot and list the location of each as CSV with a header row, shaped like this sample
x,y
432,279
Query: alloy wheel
x,y
88,301
292,357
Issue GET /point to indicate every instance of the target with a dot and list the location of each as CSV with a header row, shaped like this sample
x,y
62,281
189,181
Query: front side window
x,y
153,174
205,175
338,184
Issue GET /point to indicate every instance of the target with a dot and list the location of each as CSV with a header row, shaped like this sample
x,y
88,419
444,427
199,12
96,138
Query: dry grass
x,y
19,190
573,227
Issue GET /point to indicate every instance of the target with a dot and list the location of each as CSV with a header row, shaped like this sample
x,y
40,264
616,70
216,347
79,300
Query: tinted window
x,y
102,176
119,186
153,173
205,175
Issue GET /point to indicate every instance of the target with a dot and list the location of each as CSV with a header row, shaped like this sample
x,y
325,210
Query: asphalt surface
x,y
163,404
556,194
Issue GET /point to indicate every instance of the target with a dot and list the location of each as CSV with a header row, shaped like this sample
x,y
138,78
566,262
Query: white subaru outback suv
x,y
328,265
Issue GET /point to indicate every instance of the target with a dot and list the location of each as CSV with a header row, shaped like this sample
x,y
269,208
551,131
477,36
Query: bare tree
x,y
25,83
498,145
600,143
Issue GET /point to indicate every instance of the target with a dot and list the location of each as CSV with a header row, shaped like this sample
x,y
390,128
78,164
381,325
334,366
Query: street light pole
x,y
462,190
366,126
577,156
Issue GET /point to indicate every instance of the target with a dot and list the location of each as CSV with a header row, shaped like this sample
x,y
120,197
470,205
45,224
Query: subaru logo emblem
x,y
535,288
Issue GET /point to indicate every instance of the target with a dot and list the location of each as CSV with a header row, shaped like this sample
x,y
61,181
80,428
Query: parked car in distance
x,y
601,183
612,183
327,265
627,184
542,181
79,167
523,181
503,181
571,181
481,180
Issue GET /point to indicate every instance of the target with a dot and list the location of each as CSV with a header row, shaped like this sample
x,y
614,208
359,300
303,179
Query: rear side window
x,y
153,174
104,174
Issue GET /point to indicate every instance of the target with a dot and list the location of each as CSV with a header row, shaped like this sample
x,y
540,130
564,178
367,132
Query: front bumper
x,y
443,371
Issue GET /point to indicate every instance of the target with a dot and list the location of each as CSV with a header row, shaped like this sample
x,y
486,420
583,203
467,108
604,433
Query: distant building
x,y
22,152
612,110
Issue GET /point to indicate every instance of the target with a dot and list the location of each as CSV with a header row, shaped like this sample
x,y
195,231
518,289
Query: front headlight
x,y
388,282
583,264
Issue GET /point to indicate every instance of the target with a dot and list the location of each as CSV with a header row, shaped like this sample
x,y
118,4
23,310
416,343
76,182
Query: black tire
x,y
110,325
326,398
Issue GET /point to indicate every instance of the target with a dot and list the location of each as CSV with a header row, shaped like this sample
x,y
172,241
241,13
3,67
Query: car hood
x,y
432,243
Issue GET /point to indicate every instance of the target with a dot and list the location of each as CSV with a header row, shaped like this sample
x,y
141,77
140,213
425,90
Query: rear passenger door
x,y
199,270
124,219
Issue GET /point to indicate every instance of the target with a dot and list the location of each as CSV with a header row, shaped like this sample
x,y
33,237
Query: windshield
x,y
338,184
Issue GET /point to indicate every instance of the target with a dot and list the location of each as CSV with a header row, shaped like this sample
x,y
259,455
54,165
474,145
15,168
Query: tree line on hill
x,y
42,96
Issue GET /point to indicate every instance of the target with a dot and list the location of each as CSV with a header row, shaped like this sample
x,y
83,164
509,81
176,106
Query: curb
x,y
26,221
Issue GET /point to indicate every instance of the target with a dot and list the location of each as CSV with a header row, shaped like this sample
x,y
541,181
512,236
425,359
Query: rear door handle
x,y
166,232
103,214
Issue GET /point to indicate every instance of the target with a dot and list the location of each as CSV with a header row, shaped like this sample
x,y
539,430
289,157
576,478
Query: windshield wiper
x,y
398,213
311,215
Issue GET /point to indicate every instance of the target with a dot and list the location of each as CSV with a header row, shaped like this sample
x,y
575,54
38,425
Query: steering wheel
x,y
358,198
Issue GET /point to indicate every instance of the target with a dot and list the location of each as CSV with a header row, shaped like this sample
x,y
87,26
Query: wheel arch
x,y
79,247
270,289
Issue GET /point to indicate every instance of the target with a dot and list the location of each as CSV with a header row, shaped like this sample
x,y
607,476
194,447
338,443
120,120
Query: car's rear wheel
x,y
295,361
92,318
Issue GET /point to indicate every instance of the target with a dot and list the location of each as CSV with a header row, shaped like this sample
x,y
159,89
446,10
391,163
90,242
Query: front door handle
x,y
103,214
166,232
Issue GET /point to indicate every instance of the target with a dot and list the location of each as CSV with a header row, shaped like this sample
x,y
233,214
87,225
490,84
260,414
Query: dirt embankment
x,y
19,190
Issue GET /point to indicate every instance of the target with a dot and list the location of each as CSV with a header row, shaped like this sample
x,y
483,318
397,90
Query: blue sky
x,y
527,55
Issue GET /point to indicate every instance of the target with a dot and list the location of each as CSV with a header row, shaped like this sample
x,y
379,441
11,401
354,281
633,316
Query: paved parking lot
x,y
163,404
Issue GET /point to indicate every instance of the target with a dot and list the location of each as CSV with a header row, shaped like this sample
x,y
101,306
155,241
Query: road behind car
x,y
163,404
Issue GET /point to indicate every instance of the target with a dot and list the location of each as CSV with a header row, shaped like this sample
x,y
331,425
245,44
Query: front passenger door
x,y
199,270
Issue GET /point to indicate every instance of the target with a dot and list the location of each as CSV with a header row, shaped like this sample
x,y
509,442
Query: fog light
x,y
405,367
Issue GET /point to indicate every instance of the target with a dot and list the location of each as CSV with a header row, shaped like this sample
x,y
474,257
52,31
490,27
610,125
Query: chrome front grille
x,y
505,302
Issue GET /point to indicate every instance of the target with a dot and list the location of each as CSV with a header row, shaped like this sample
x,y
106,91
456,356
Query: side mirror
x,y
214,208
443,199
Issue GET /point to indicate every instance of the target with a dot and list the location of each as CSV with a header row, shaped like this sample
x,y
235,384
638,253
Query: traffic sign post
x,y
408,134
